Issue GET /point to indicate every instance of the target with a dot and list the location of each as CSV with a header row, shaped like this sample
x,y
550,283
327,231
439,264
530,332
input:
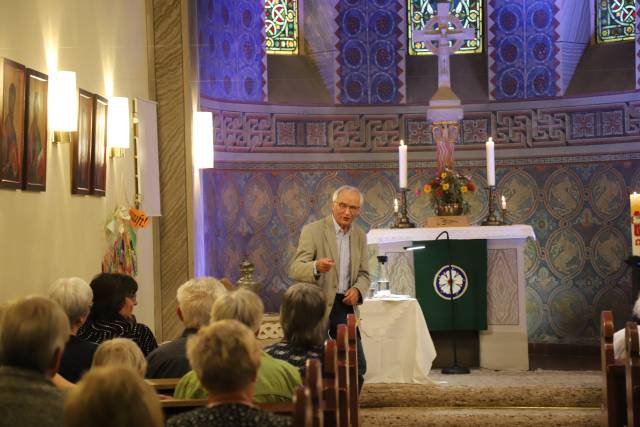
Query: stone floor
x,y
484,398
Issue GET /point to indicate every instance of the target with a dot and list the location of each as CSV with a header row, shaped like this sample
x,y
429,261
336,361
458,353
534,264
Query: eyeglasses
x,y
344,207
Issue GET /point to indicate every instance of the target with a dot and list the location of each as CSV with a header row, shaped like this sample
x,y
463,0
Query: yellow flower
x,y
427,188
443,175
445,186
464,188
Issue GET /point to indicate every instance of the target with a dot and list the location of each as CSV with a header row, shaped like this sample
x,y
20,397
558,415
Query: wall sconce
x,y
62,105
202,140
118,124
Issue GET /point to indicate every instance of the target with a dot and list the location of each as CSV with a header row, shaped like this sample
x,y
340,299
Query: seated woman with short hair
x,y
75,297
111,316
302,317
226,358
112,396
121,352
277,380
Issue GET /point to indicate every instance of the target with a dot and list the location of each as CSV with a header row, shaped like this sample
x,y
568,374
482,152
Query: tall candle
x,y
491,163
395,205
504,203
402,159
635,223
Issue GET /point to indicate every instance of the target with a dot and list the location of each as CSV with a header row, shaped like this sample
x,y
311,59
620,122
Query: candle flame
x,y
402,142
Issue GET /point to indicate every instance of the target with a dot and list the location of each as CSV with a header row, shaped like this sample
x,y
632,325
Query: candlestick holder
x,y
402,220
491,216
503,211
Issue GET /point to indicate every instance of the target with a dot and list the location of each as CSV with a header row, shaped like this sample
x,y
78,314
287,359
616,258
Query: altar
x,y
504,345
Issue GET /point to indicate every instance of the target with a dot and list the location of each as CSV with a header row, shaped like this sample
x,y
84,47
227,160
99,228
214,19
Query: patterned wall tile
x,y
232,54
369,60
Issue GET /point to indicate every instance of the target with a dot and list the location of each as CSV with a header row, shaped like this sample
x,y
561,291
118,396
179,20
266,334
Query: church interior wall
x,y
52,234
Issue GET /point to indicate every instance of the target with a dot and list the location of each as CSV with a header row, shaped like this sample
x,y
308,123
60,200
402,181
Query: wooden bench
x,y
354,387
613,381
330,384
302,408
632,374
163,385
342,342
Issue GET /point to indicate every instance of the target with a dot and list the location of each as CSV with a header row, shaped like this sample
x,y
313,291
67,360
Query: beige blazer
x,y
318,240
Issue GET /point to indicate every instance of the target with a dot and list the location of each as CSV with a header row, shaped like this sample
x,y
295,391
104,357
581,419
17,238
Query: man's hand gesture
x,y
324,264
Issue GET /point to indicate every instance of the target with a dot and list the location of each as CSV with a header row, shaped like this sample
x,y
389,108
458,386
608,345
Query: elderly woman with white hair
x,y
75,297
277,379
195,299
33,334
120,352
226,359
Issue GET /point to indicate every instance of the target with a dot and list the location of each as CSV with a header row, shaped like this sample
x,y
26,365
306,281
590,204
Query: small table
x,y
396,341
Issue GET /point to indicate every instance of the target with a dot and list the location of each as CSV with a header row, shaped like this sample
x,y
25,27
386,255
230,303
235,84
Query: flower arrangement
x,y
448,189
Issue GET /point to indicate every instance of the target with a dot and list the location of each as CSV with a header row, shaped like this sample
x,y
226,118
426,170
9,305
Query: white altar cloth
x,y
494,232
396,341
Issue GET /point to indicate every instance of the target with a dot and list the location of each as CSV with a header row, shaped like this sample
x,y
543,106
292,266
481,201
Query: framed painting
x,y
35,132
12,87
81,146
99,146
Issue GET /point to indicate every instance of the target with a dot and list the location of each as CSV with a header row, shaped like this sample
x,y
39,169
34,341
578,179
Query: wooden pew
x,y
343,375
171,407
353,369
303,411
330,384
632,374
613,382
313,381
163,385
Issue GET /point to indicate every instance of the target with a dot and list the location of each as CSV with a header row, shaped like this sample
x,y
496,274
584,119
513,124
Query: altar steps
x,y
487,398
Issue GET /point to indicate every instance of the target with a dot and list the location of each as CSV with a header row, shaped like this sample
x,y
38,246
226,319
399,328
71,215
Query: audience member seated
x,y
277,380
303,325
225,358
195,299
121,352
619,346
111,316
33,334
112,396
74,295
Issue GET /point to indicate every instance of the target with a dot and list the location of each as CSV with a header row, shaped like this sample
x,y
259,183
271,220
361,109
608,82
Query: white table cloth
x,y
396,341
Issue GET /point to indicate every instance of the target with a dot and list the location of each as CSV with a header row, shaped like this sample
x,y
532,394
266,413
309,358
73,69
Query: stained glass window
x,y
281,24
469,12
616,20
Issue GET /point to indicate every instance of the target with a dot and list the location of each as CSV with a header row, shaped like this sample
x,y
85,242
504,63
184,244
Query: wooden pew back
x,y
330,384
632,374
342,342
302,410
613,382
313,381
353,369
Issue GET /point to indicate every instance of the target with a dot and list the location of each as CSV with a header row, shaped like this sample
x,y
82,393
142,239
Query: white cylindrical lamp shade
x,y
203,140
491,163
118,123
63,101
402,164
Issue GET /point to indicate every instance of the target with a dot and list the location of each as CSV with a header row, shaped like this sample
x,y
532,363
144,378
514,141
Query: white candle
x,y
635,227
402,159
503,202
395,205
491,163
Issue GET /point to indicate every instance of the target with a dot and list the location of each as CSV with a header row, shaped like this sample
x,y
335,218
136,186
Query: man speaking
x,y
332,253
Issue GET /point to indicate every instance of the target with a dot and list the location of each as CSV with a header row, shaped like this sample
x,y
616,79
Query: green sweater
x,y
277,381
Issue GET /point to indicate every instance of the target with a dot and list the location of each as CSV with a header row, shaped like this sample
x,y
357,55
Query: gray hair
x,y
302,315
336,193
224,356
195,299
242,305
75,297
120,352
33,329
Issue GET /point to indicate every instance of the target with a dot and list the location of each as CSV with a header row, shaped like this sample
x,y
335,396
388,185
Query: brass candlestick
x,y
402,220
491,217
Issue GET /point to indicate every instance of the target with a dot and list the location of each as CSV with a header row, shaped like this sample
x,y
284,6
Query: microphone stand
x,y
455,369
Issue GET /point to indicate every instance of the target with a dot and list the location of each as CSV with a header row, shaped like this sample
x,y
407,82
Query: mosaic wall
x,y
370,67
523,51
577,206
232,54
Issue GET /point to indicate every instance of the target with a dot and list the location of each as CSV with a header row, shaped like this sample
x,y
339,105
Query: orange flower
x,y
464,189
427,188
